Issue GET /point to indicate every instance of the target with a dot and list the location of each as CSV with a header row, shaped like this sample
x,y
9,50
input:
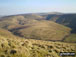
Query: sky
x,y
11,7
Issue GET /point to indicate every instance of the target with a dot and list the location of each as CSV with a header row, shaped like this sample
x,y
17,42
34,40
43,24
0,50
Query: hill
x,y
34,28
64,19
68,20
61,18
43,30
17,24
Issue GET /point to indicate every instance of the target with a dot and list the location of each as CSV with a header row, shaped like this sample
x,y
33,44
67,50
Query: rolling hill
x,y
68,20
64,19
43,30
34,28
43,26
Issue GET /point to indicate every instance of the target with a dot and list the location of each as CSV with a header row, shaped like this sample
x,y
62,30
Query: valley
x,y
37,35
45,26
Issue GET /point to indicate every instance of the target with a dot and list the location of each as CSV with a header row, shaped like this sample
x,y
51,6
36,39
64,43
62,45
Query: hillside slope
x,y
43,30
35,29
20,47
6,33
71,38
33,25
64,19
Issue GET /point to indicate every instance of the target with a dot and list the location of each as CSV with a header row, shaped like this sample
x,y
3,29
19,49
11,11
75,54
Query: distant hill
x,y
42,30
29,27
68,20
47,13
64,19
17,24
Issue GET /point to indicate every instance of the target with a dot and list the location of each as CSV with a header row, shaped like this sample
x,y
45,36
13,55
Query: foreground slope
x,y
20,47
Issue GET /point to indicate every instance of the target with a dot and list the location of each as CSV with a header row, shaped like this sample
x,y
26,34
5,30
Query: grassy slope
x,y
12,46
6,33
71,38
36,29
19,47
67,20
45,30
23,20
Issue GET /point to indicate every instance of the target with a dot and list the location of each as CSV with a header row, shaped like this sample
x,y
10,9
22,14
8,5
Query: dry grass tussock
x,y
20,47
